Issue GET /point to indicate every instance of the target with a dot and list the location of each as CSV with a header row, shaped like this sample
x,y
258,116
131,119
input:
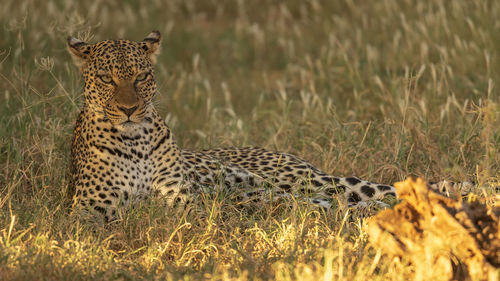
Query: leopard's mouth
x,y
118,118
128,122
123,119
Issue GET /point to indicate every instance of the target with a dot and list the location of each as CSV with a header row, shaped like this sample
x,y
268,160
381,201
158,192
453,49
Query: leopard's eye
x,y
142,76
106,78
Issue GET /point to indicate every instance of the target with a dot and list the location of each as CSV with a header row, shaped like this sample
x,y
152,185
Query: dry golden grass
x,y
378,89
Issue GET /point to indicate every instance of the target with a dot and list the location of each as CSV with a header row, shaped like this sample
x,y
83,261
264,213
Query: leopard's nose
x,y
128,111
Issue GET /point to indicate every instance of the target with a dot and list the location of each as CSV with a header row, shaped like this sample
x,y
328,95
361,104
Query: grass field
x,y
378,89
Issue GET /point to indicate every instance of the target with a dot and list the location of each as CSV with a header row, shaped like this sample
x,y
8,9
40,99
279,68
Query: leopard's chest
x,y
126,157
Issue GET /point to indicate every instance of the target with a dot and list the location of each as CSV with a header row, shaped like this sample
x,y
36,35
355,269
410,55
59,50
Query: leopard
x,y
124,152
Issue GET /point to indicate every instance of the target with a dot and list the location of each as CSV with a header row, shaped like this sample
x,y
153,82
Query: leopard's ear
x,y
151,45
79,50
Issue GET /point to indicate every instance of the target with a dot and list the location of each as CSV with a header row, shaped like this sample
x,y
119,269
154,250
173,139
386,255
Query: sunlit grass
x,y
376,89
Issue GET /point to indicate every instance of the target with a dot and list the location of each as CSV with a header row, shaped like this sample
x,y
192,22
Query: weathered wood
x,y
443,238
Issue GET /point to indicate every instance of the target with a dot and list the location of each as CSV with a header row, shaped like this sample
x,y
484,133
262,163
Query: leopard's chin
x,y
130,123
127,126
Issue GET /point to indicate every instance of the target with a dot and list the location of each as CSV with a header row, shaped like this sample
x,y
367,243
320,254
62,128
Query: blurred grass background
x,y
378,89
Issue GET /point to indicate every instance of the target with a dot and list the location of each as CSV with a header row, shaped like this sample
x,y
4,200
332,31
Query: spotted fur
x,y
123,151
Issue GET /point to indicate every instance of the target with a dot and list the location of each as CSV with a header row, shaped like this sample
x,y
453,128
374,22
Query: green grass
x,y
378,89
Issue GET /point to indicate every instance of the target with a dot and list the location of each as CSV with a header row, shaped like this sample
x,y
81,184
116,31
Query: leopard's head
x,y
118,75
